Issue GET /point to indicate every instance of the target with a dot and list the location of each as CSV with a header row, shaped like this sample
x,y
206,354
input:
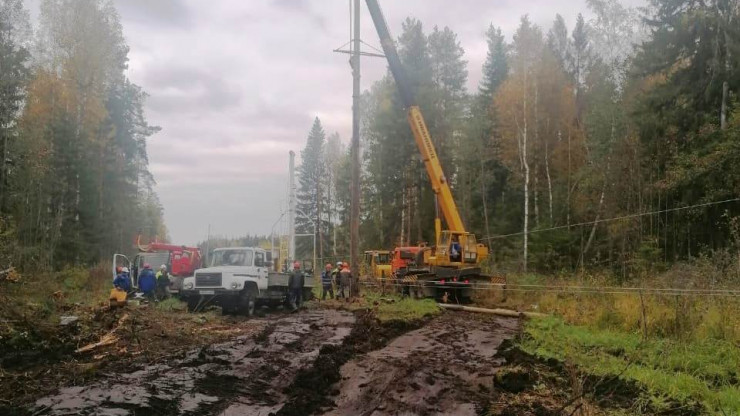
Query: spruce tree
x,y
312,195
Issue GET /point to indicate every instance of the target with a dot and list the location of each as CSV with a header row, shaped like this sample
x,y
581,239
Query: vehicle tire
x,y
247,303
193,303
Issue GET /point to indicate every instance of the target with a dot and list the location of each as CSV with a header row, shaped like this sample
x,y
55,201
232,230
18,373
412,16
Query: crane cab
x,y
458,249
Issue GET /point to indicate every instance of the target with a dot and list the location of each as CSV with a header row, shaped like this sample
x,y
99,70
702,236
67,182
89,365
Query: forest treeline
x,y
74,183
625,113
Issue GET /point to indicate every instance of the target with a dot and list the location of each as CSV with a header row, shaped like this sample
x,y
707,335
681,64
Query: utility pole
x,y
208,246
354,222
291,211
355,51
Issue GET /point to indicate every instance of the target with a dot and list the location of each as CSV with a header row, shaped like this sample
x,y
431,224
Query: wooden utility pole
x,y
354,227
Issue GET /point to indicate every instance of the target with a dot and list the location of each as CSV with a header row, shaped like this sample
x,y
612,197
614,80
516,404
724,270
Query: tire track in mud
x,y
313,388
445,367
246,376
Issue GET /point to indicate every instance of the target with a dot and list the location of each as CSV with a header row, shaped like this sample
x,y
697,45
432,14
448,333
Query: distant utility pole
x,y
354,218
291,211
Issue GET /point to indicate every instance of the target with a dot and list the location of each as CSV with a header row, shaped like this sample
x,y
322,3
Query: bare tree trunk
x,y
404,208
536,143
483,196
4,155
536,193
409,214
596,222
549,179
567,219
525,163
723,115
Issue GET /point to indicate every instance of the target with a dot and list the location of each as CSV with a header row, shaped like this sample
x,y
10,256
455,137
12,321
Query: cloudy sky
x,y
236,84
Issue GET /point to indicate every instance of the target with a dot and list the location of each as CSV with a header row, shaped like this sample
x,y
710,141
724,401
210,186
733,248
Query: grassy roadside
x,y
671,373
387,307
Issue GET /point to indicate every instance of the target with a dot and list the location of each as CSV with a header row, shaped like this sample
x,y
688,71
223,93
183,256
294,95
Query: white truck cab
x,y
238,279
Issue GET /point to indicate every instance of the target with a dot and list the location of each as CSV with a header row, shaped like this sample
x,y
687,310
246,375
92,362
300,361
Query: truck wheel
x,y
247,303
193,303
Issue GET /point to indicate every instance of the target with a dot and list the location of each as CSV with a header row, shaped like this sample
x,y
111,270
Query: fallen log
x,y
497,311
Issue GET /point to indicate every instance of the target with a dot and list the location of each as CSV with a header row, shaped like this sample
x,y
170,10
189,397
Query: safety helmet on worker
x,y
124,270
163,267
147,266
296,265
339,264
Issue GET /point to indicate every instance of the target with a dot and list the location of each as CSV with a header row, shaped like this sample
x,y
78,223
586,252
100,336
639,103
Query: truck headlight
x,y
189,285
235,285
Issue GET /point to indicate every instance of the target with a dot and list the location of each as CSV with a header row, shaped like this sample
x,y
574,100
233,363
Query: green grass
x,y
171,304
703,371
394,307
389,307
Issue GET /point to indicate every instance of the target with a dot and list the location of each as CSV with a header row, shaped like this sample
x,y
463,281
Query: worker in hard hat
x,y
345,278
326,278
148,282
122,281
296,281
163,283
121,287
127,276
335,274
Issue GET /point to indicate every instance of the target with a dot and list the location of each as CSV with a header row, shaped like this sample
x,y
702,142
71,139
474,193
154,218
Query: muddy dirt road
x,y
315,362
443,368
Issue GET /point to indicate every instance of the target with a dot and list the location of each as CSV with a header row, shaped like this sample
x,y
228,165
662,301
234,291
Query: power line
x,y
625,289
560,227
570,291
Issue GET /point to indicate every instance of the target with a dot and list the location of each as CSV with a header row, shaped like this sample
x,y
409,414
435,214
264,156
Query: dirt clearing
x,y
245,376
445,367
319,361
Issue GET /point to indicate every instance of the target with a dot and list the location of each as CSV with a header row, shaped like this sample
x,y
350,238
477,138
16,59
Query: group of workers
x,y
154,286
333,276
339,275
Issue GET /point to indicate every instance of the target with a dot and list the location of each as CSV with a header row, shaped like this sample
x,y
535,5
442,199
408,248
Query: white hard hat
x,y
339,263
125,270
163,267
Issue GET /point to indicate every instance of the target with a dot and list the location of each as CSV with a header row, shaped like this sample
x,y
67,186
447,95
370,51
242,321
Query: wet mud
x,y
317,362
248,375
445,367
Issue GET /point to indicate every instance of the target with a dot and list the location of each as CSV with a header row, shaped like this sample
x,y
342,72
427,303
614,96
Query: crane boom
x,y
418,126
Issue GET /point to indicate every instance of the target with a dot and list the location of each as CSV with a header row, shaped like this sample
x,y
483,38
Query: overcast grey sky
x,y
236,84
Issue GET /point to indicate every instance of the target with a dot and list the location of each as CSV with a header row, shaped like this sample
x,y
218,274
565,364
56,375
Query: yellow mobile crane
x,y
454,263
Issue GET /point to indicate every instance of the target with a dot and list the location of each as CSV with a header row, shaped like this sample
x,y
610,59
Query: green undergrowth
x,y
405,309
389,307
670,371
172,304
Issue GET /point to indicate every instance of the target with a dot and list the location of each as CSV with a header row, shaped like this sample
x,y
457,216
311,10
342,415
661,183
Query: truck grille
x,y
207,279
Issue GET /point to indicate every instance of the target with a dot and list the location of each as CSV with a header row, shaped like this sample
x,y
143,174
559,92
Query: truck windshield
x,y
232,258
384,258
154,259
